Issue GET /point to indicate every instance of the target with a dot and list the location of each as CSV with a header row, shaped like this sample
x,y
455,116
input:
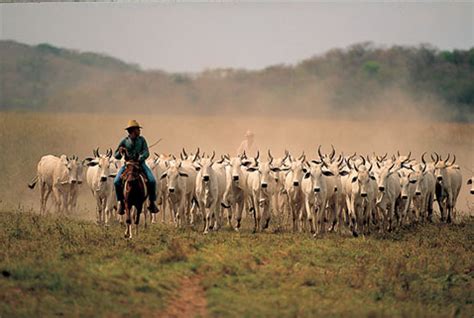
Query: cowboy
x,y
247,145
134,148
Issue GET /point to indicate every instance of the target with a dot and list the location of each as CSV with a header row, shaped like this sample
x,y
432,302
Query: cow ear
x,y
412,181
112,175
305,170
92,163
372,177
276,169
328,173
245,163
469,181
354,179
164,175
343,173
182,174
307,175
251,169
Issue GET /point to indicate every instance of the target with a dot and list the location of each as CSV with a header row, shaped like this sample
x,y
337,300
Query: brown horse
x,y
134,195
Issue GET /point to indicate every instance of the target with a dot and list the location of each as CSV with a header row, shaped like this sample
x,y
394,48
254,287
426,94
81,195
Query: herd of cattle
x,y
329,192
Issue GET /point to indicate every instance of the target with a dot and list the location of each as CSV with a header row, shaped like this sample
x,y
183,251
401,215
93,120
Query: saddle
x,y
134,166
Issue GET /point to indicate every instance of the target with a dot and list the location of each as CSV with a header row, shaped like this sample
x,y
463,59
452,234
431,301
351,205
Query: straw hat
x,y
133,123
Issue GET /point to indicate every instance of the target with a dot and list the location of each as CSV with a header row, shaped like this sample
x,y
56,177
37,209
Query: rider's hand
x,y
122,150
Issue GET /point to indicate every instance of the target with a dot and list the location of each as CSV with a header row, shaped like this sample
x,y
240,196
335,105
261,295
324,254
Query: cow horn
x,y
398,153
393,164
363,159
385,156
348,164
98,152
409,155
370,167
423,158
447,158
181,156
287,154
302,157
258,155
378,165
244,155
454,160
333,152
196,156
270,155
213,155
184,153
319,152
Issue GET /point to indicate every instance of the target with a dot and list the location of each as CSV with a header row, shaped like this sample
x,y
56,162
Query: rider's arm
x,y
117,153
144,154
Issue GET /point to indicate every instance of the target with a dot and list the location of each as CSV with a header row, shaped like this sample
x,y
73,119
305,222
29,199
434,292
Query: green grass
x,y
57,266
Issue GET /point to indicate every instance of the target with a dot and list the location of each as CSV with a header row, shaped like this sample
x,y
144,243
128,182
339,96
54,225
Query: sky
x,y
192,37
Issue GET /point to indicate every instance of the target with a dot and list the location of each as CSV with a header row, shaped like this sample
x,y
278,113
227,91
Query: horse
x,y
135,194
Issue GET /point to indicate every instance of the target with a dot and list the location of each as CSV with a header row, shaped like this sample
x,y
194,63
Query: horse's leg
x,y
137,217
128,222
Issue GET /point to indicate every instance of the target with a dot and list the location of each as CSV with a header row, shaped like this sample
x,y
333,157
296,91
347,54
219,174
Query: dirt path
x,y
189,302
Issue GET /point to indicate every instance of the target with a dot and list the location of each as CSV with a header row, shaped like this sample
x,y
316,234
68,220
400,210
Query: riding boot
x,y
121,208
152,207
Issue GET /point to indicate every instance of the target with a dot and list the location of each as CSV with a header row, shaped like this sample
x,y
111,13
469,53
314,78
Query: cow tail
x,y
33,182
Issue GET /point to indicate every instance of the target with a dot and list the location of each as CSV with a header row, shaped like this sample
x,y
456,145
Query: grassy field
x,y
57,266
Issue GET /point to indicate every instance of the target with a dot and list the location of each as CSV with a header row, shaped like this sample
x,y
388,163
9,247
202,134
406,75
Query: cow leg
x,y
43,197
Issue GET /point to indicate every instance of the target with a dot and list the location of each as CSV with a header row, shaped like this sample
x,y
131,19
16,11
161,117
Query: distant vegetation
x,y
360,79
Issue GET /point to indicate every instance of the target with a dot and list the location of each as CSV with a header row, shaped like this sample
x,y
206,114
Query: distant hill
x,y
361,80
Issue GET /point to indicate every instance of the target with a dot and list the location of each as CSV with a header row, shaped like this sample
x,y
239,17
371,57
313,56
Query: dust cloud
x,y
397,124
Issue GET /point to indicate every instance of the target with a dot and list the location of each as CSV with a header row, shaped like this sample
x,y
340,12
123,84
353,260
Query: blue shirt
x,y
137,149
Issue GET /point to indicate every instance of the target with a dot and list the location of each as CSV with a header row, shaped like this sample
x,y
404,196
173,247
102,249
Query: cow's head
x,y
441,165
361,176
103,162
383,175
172,175
316,171
266,172
297,168
72,169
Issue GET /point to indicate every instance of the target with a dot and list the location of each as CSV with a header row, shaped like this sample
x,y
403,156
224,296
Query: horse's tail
x,y
33,182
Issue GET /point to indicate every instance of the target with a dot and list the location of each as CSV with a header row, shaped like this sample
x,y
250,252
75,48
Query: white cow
x,y
388,201
448,186
261,185
177,190
74,191
361,190
99,178
316,190
293,189
55,175
235,195
425,189
210,187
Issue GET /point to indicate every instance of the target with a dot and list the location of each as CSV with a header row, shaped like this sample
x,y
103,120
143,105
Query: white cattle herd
x,y
325,193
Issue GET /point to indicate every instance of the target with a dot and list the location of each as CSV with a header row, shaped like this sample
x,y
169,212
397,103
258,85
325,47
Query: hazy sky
x,y
196,36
